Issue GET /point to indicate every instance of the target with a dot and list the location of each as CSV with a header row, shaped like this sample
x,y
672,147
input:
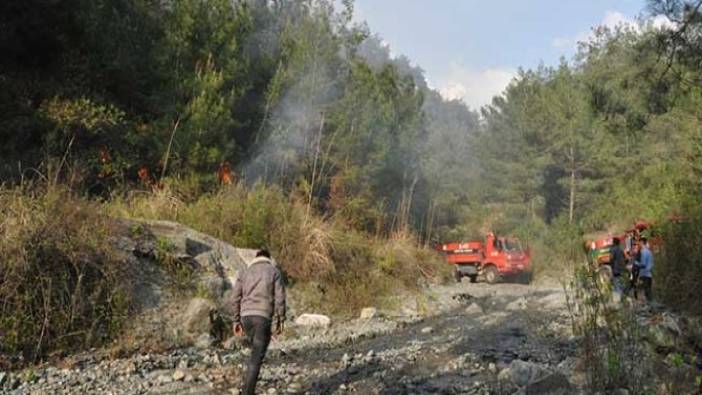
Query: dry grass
x,y
335,269
62,285
403,258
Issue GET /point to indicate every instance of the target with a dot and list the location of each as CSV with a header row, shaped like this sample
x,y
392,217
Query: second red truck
x,y
493,258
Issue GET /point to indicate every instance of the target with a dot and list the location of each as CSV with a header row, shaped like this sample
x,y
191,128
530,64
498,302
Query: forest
x,y
276,104
282,93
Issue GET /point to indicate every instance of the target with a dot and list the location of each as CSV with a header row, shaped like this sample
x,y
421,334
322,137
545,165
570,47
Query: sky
x,y
471,49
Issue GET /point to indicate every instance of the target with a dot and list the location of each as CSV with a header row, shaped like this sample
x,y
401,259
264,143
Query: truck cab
x,y
504,256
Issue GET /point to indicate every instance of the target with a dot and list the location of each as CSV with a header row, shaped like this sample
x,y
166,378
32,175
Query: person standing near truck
x,y
618,262
258,301
634,261
646,269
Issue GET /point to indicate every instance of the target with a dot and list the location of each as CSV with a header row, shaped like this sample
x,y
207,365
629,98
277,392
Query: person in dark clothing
x,y
258,299
618,262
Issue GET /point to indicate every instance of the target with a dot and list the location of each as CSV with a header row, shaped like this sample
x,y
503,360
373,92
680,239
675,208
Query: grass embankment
x,y
64,287
332,268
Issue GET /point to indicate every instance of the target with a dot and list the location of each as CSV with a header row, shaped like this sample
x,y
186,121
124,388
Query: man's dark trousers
x,y
258,335
632,283
647,288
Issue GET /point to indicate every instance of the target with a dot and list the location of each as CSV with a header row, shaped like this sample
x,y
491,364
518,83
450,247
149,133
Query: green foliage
x,y
83,131
556,249
677,360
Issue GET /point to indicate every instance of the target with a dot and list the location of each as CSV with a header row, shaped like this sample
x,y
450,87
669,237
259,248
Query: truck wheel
x,y
473,278
491,274
458,275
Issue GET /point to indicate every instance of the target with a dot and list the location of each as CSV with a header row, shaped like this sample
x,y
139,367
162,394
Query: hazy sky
x,y
470,49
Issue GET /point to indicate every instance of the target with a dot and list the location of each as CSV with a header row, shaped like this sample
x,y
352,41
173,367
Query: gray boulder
x,y
551,384
474,309
178,375
210,253
519,304
522,372
203,341
313,320
368,313
196,318
663,332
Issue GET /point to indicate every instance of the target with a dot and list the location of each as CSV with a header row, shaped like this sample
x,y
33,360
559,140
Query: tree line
x,y
108,95
608,137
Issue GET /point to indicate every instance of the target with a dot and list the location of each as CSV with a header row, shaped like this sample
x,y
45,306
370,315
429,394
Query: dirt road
x,y
481,339
460,350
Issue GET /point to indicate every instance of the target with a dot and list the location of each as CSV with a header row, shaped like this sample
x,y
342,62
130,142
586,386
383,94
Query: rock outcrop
x,y
174,316
208,252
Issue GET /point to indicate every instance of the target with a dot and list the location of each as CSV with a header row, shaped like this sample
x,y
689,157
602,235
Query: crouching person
x,y
258,303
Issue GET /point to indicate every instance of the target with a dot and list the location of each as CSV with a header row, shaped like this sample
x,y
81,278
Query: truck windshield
x,y
512,245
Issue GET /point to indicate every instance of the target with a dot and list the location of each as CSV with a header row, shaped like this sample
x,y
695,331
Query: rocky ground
x,y
476,339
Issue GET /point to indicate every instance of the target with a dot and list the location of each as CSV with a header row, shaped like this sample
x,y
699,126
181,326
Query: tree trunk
x,y
314,167
571,206
571,203
430,223
410,197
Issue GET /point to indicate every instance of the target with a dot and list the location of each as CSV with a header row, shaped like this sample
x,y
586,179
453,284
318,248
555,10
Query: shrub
x,y
62,285
611,339
404,260
678,265
559,249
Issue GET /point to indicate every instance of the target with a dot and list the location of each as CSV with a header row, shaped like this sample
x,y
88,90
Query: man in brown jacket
x,y
258,299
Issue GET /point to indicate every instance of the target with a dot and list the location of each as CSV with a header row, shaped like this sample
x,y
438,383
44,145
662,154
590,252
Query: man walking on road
x,y
646,269
258,299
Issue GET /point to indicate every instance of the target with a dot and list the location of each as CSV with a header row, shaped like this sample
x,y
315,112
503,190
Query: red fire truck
x,y
493,258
